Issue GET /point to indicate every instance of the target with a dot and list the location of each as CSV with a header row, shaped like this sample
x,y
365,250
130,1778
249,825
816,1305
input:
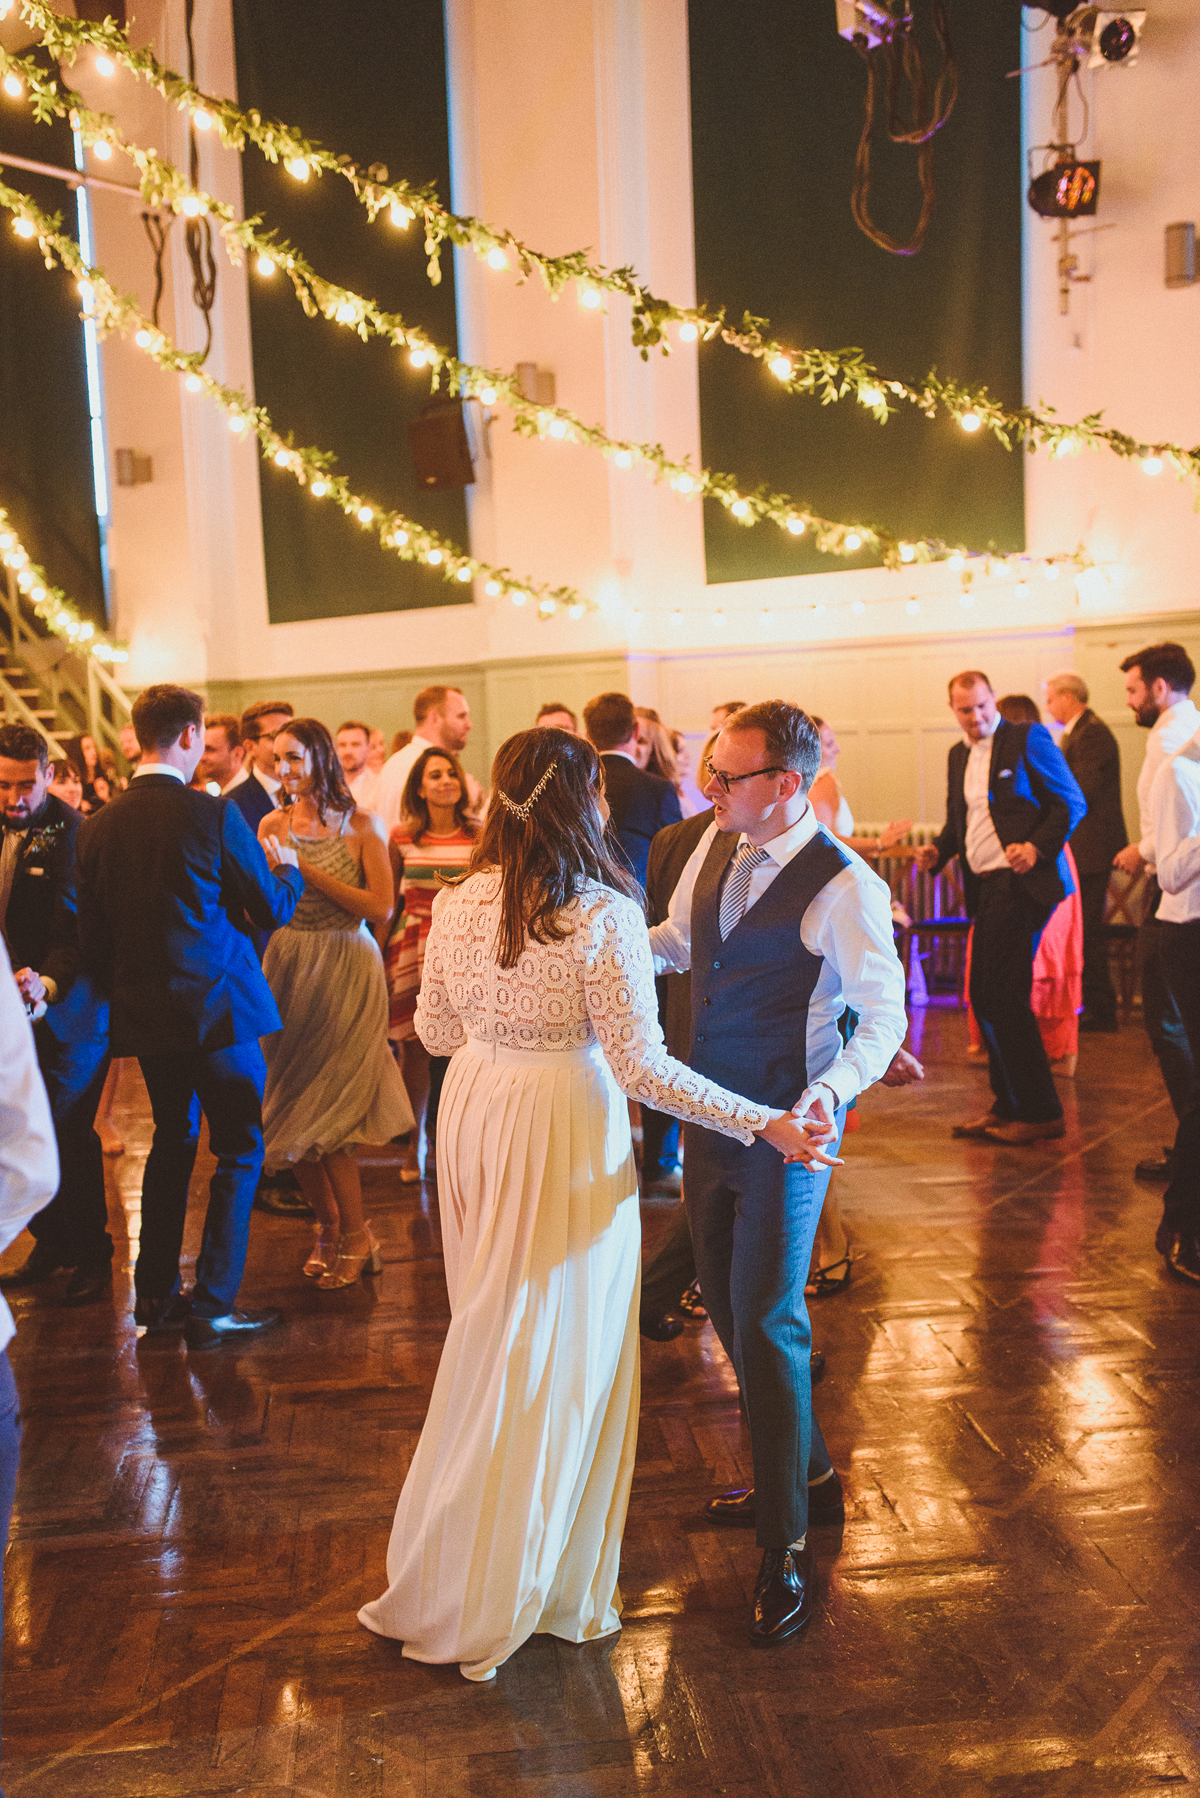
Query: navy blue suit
x,y
1033,798
72,1037
252,800
641,805
165,875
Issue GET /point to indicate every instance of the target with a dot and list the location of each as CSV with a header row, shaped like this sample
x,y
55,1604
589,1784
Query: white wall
x,y
572,127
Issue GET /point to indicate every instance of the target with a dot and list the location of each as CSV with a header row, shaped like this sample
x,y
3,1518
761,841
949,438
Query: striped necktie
x,y
737,886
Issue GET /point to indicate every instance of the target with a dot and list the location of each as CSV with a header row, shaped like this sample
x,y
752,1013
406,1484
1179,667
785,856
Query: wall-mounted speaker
x,y
438,444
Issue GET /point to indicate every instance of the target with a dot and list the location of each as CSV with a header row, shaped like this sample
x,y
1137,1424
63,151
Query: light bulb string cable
x,y
50,604
830,375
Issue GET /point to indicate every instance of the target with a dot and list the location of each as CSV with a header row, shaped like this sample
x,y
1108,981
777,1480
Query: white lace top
x,y
597,985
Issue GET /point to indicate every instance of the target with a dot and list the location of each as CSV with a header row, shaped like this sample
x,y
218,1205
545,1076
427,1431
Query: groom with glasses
x,y
783,928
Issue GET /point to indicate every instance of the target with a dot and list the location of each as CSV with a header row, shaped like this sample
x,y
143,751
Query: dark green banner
x,y
369,81
777,108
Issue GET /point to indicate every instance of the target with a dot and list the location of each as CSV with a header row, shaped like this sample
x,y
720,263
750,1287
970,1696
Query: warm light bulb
x,y
463,574
688,333
780,367
623,459
345,313
104,65
282,458
796,526
400,216
24,227
202,120
590,297
818,610
487,396
7,540
102,150
191,206
518,598
1051,571
858,607
418,358
853,541
433,557
365,514
907,553
319,489
1000,571
765,616
912,607
677,616
575,611
966,600
871,396
496,258
492,589
955,561
266,267
86,631
558,427
718,619
684,483
144,339
547,608
1022,589
237,425
399,539
298,168
740,509
14,87
1152,465
970,421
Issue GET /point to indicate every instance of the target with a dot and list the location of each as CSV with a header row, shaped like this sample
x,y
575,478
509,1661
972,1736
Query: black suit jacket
x,y
40,924
253,801
670,853
165,874
1094,758
641,805
1033,798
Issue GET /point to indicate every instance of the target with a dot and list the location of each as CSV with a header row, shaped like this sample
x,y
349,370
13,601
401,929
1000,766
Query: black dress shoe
x,y
231,1326
40,1264
1102,1026
662,1329
88,1283
159,1317
826,1504
783,1596
1183,1255
1156,1170
282,1202
816,1366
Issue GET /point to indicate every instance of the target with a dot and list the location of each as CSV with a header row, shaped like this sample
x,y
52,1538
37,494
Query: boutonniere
x,y
42,841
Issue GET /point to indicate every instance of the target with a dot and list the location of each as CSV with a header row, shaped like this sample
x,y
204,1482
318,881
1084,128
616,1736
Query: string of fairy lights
x,y
828,375
51,604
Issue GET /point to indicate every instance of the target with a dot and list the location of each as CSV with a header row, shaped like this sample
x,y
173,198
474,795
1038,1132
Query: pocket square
x,y
1004,774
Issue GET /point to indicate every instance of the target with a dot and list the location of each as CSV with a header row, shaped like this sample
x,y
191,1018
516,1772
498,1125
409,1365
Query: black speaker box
x,y
440,451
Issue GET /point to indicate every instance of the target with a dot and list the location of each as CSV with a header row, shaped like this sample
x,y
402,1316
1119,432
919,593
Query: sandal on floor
x,y
822,1284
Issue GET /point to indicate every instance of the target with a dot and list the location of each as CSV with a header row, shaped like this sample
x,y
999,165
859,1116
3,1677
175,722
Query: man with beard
x,y
1158,681
37,916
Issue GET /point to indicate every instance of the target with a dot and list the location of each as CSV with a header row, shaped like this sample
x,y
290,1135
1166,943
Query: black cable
x,y
156,231
197,234
905,65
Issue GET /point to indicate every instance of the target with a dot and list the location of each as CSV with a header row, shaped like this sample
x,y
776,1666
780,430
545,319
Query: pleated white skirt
x,y
510,1519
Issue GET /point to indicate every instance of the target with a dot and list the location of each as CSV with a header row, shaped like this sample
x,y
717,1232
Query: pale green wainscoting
x,y
504,696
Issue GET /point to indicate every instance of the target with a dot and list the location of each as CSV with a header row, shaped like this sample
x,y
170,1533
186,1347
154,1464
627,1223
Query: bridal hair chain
x,y
522,811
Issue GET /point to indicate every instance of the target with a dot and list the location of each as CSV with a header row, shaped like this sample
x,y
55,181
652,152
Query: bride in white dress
x,y
539,982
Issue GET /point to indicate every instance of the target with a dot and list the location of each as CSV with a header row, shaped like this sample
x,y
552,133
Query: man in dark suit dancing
x,y
641,804
37,917
1011,804
165,873
1092,754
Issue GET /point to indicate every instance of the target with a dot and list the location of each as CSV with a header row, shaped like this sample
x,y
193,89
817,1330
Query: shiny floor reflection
x,y
1012,1395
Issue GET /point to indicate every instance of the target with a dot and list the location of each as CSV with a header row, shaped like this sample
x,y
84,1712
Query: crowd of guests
x,y
248,907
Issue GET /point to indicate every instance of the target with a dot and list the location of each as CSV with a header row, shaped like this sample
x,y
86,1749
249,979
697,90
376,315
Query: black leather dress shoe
x,y
1183,1255
816,1366
231,1326
88,1283
1156,1170
159,1317
662,1329
40,1264
783,1596
826,1504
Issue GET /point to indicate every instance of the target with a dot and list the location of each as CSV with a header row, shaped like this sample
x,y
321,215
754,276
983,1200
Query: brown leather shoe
x,y
979,1127
1019,1134
783,1596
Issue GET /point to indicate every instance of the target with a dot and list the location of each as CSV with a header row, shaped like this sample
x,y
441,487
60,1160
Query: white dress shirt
x,y
159,768
364,789
28,1155
1175,816
985,852
849,925
393,775
1171,731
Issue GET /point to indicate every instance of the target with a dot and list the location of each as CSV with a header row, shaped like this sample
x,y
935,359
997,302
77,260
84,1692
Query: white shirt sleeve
x,y
1175,852
849,923
671,942
390,792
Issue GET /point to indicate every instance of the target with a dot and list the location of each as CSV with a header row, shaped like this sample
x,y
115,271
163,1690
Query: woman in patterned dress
x,y
431,846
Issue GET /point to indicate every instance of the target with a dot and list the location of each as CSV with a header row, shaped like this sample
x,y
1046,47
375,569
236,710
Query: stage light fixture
x,y
1068,190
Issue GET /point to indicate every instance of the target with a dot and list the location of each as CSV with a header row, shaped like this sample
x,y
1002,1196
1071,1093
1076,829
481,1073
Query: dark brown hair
x,y
21,743
329,790
545,859
1164,661
226,721
792,738
355,724
556,705
161,714
1018,708
609,720
264,708
415,807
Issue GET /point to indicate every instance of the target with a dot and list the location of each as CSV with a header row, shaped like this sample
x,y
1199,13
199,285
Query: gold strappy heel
x,y
350,1264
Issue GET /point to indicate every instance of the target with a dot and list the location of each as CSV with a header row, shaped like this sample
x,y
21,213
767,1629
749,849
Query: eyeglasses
x,y
729,781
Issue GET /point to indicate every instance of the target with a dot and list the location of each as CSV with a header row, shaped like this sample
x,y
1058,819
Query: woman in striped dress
x,y
430,847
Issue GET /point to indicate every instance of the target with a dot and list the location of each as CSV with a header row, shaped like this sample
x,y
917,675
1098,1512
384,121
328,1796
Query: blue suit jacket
x,y
164,876
1033,798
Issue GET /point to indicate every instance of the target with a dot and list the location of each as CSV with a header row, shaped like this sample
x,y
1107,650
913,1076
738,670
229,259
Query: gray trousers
x,y
753,1221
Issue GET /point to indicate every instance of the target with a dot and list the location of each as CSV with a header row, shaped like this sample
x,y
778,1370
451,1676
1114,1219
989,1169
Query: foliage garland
x,y
51,604
830,375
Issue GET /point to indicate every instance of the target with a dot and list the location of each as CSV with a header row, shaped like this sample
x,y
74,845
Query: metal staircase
x,y
46,682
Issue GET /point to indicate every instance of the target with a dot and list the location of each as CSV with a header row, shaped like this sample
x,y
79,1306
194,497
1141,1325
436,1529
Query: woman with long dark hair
x,y
431,845
540,983
331,1080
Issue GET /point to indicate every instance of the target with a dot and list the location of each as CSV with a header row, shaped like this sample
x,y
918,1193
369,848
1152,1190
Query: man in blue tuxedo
x,y
640,804
165,874
1011,804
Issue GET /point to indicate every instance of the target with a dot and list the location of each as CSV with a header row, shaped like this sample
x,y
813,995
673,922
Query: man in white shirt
x,y
1174,808
443,721
782,929
1158,682
353,742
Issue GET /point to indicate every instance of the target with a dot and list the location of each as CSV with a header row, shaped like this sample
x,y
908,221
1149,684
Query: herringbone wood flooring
x,y
1014,1606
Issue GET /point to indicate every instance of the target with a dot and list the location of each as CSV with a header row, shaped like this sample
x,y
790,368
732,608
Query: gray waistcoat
x,y
750,994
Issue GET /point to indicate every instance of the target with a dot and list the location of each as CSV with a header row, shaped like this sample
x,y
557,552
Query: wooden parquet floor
x,y
1013,1608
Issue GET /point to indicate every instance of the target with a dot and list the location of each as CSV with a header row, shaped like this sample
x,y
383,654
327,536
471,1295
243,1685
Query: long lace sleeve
x,y
623,1010
438,1023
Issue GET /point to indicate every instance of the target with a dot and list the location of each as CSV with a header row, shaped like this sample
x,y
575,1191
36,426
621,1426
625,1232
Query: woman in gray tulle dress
x,y
331,1078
